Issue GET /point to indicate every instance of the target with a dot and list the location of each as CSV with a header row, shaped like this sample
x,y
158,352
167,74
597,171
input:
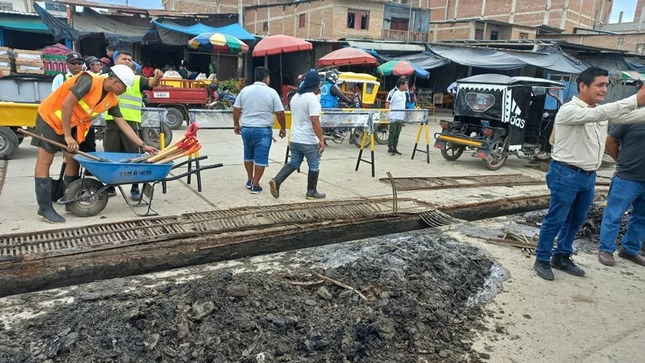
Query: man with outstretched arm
x,y
580,131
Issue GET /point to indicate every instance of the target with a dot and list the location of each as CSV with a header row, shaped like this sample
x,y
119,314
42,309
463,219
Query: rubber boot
x,y
44,198
283,174
312,184
67,180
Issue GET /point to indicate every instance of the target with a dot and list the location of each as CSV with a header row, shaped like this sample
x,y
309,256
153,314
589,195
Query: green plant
x,y
229,85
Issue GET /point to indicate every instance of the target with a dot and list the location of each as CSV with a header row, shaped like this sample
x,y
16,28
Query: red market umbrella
x,y
278,44
347,56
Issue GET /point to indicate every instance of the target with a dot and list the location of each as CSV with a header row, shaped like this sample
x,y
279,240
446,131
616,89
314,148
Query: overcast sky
x,y
628,7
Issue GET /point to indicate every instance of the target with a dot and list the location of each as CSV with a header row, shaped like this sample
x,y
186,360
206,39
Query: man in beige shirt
x,y
580,132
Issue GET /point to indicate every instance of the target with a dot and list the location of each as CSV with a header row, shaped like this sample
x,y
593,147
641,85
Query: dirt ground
x,y
401,298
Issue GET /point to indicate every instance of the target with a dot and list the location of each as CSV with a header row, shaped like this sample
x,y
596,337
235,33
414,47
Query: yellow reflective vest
x,y
130,102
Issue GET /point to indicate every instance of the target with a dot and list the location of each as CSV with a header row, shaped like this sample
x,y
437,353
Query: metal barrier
x,y
211,119
412,116
150,117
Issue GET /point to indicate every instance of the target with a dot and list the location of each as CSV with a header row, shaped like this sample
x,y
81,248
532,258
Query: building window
x,y
55,7
399,24
6,6
494,35
524,35
357,19
479,34
301,20
265,26
640,48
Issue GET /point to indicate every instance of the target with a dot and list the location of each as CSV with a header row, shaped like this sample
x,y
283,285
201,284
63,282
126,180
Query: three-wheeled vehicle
x,y
496,115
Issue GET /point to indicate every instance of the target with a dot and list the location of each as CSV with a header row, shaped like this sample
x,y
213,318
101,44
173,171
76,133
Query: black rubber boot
x,y
312,184
44,198
283,174
67,180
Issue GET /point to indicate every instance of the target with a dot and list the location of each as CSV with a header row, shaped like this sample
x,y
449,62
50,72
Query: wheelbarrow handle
x,y
62,146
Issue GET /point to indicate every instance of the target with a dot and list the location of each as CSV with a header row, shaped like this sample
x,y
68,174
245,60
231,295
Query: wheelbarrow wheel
x,y
452,151
497,156
152,136
90,203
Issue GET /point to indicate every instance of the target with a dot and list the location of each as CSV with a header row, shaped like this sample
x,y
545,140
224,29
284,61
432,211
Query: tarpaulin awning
x,y
31,24
478,57
635,66
425,60
235,30
386,46
551,59
58,28
91,22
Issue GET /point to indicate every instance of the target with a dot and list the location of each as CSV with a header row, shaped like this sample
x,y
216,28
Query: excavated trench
x,y
49,259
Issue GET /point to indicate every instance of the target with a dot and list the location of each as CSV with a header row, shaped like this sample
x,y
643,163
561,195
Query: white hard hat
x,y
123,73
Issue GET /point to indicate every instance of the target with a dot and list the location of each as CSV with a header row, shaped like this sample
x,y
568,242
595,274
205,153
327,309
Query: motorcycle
x,y
220,99
338,135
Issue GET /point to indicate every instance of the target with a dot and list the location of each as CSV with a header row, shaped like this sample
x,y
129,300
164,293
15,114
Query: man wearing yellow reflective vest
x,y
130,103
66,115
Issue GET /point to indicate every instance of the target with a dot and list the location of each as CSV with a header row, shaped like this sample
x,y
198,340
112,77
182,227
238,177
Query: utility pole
x,y
410,23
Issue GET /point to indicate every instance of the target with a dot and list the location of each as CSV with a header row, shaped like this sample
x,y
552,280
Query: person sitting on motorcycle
x,y
330,93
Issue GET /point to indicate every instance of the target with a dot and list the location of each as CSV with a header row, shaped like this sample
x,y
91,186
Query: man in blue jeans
x,y
256,104
580,131
307,139
624,144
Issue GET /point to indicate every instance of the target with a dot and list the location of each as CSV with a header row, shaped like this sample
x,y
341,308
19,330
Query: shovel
x,y
63,146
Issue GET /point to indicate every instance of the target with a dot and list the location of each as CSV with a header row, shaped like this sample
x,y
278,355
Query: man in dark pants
x,y
625,144
130,104
395,101
580,131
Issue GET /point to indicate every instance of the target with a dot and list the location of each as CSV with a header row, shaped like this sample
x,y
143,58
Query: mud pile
x,y
402,298
589,233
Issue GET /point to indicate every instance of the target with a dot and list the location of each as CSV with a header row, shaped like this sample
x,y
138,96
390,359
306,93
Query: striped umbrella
x,y
219,43
401,68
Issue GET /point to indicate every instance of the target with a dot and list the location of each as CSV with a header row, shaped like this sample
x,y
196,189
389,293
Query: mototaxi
x,y
496,115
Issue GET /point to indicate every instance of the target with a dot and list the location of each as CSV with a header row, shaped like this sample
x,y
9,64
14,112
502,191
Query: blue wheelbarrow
x,y
88,195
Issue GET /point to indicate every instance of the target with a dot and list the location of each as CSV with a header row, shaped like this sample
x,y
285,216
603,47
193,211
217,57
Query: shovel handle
x,y
62,146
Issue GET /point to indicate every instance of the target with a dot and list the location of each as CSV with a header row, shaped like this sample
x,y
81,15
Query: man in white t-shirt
x,y
255,106
396,103
307,139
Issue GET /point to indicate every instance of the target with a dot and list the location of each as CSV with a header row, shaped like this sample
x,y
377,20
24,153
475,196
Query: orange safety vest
x,y
83,112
